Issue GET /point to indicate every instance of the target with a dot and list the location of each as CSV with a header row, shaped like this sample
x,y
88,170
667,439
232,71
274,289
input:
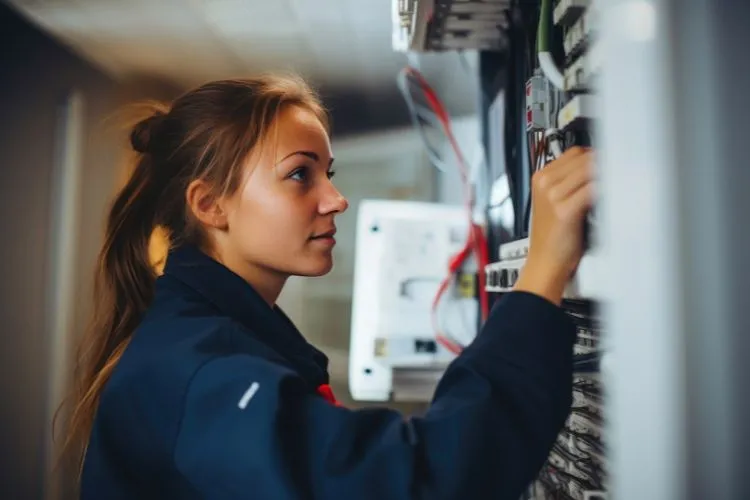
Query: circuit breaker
x,y
537,104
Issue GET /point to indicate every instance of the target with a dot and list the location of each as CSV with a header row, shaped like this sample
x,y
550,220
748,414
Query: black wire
x,y
582,484
593,396
592,476
589,440
585,308
527,215
529,21
585,412
561,448
513,139
594,471
558,489
593,385
552,487
578,434
493,76
594,409
565,454
532,162
521,33
587,363
588,389
585,322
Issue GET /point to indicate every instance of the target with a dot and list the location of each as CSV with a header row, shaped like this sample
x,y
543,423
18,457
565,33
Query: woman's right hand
x,y
562,194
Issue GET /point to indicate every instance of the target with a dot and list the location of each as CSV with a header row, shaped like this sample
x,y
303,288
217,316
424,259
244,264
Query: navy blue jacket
x,y
215,398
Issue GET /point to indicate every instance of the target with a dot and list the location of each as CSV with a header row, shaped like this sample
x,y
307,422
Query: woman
x,y
196,385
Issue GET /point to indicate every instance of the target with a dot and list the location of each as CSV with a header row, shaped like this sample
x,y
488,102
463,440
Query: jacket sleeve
x,y
251,429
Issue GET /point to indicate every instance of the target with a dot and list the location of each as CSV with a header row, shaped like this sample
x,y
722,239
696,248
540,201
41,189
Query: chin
x,y
315,267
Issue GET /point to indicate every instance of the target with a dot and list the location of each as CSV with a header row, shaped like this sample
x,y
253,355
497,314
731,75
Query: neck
x,y
266,282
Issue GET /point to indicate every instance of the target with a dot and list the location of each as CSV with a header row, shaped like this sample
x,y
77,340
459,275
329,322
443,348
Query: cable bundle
x,y
433,122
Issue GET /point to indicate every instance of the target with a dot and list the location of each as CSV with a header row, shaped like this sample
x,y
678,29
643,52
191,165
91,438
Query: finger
x,y
572,152
562,167
579,202
577,177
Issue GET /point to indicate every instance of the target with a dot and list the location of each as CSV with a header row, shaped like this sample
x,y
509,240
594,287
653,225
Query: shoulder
x,y
232,381
165,354
145,396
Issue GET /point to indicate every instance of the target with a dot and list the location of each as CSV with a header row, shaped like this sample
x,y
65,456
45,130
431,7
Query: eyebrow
x,y
310,154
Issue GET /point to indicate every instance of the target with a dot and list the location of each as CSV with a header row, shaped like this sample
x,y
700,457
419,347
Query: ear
x,y
205,205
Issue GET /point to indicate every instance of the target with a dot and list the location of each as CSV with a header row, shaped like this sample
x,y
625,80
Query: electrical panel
x,y
545,56
577,464
543,92
559,110
438,25
586,283
400,262
582,59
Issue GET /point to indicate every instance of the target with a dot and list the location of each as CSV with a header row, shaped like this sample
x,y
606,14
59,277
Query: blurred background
x,y
673,284
70,66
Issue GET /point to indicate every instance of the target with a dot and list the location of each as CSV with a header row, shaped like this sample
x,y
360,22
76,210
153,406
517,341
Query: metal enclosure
x,y
674,198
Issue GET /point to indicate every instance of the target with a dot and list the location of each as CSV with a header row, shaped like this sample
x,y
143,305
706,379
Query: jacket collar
x,y
234,297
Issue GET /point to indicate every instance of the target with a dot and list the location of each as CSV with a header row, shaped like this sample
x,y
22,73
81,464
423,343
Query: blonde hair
x,y
205,134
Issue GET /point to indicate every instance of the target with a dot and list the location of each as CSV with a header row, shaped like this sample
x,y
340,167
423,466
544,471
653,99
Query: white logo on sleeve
x,y
249,393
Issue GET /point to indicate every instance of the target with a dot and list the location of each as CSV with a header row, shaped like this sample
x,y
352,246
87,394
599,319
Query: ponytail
x,y
205,134
123,289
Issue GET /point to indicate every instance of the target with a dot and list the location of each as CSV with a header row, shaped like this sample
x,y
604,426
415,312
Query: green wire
x,y
542,32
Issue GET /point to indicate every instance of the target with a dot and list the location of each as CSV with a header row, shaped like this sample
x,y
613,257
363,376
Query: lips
x,y
327,235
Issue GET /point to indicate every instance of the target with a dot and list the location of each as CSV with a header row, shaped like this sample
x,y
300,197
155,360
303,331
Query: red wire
x,y
476,233
476,240
453,266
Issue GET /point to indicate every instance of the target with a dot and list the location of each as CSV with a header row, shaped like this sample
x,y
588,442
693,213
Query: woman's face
x,y
281,219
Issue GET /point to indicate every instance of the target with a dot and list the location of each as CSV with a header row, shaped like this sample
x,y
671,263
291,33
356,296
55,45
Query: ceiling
x,y
341,45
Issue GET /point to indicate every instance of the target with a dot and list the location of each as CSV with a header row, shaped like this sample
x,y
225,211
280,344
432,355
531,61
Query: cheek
x,y
270,214
255,211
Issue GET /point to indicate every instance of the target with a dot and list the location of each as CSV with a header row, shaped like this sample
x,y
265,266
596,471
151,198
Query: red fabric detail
x,y
327,393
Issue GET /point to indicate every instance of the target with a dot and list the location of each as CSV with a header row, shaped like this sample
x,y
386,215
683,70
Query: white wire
x,y
551,136
551,71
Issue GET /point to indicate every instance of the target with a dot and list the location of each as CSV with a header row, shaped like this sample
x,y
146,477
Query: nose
x,y
333,201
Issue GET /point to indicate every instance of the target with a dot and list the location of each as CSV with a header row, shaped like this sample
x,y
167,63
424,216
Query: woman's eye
x,y
299,174
302,174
